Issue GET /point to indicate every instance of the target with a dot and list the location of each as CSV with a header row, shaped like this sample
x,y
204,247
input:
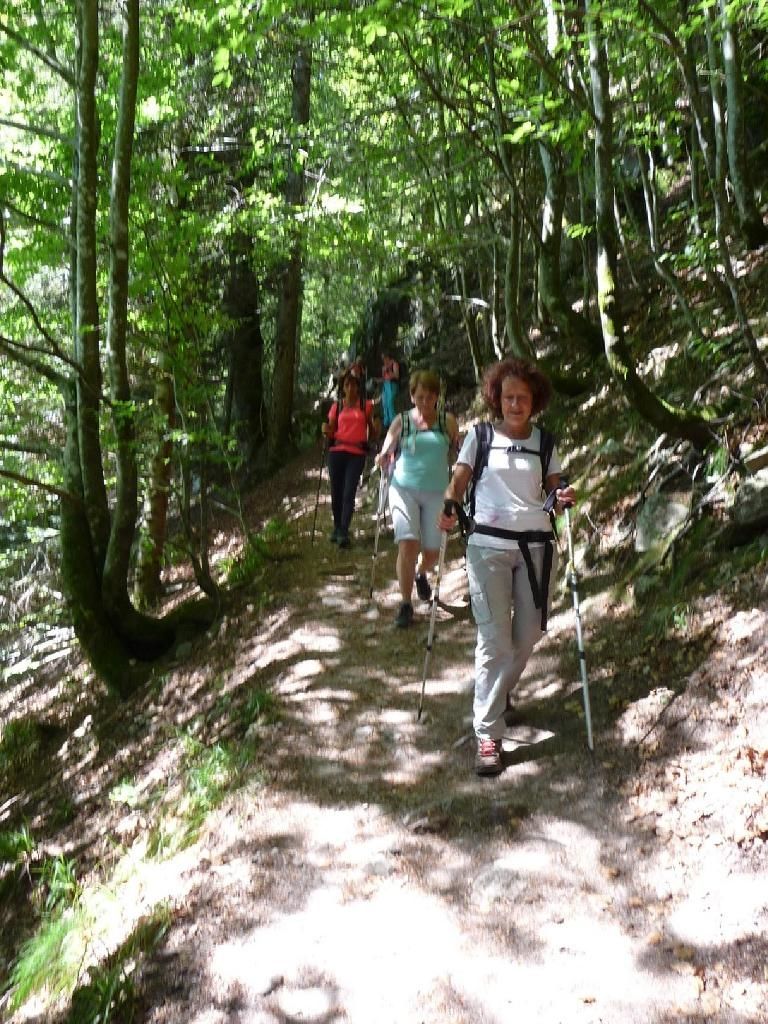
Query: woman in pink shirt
x,y
349,431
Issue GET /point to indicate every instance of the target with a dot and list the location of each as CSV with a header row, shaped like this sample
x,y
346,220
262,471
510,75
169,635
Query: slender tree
x,y
289,303
660,413
751,223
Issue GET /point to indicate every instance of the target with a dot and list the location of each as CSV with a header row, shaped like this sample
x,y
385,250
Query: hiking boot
x,y
334,538
488,757
423,588
344,541
405,615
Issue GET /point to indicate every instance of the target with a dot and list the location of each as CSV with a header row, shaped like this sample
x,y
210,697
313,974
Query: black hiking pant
x,y
344,471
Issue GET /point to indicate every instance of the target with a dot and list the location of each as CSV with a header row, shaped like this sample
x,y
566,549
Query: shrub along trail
x,y
364,874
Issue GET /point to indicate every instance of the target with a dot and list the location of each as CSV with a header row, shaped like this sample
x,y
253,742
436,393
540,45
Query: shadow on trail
x,y
363,865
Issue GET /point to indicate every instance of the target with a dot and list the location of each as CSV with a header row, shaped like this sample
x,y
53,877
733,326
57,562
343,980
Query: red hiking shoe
x,y
488,757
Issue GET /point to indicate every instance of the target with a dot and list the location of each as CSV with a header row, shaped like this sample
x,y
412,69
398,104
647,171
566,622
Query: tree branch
x,y
49,61
48,224
28,481
33,129
19,353
51,453
38,172
54,348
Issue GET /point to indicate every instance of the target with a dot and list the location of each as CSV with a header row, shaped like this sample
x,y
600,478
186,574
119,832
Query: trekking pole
x,y
319,481
573,582
435,599
380,511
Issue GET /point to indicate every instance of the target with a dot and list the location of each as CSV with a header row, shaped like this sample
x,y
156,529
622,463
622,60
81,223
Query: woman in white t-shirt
x,y
510,554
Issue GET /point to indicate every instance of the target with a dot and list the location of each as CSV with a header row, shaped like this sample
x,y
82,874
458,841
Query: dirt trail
x,y
366,874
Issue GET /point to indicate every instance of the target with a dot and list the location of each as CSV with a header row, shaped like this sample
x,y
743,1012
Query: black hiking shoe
x,y
344,541
405,615
423,588
334,538
511,714
488,757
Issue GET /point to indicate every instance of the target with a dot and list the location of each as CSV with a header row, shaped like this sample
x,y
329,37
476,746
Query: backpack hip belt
x,y
364,446
524,538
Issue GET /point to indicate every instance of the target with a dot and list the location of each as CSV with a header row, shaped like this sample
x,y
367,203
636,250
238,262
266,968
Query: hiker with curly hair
x,y
510,552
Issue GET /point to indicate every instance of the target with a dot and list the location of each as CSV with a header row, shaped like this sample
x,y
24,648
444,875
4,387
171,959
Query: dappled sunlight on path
x,y
366,874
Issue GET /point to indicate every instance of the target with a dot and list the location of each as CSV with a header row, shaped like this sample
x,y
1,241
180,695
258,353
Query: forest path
x,y
365,874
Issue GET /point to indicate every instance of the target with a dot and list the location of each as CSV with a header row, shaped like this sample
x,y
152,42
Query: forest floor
x,y
352,867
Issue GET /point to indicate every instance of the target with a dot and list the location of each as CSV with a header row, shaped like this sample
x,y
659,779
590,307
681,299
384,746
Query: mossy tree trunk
x,y
750,221
289,299
661,414
703,122
578,332
97,540
150,558
245,349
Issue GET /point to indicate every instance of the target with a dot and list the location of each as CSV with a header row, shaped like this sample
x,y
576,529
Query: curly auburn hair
x,y
496,374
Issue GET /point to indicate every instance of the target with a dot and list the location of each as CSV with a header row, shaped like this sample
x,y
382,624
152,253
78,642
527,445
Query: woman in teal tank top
x,y
422,441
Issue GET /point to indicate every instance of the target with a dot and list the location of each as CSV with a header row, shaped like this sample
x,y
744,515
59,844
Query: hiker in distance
x,y
510,552
422,441
390,384
349,431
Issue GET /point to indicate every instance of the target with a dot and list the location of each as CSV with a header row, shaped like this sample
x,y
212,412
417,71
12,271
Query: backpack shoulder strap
x,y
546,447
407,426
484,434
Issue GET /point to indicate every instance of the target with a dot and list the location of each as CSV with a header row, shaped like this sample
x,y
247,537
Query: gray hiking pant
x,y
508,628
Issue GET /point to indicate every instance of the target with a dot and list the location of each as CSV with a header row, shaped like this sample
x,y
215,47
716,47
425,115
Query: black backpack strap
x,y
406,425
484,435
540,591
546,447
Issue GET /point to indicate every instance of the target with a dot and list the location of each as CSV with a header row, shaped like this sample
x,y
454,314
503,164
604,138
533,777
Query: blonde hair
x,y
428,379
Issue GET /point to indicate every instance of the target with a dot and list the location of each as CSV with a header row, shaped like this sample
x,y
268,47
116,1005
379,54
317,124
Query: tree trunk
x,y
96,547
578,332
98,637
704,133
517,342
148,574
751,224
245,348
86,340
289,307
662,415
115,580
714,82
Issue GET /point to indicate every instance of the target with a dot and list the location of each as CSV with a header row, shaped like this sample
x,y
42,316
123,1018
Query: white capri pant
x,y
415,514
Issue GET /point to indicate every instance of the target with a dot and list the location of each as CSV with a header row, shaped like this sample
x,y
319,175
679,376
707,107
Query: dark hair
x,y
497,373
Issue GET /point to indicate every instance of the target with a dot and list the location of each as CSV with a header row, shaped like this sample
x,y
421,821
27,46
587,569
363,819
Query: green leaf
x,y
522,132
